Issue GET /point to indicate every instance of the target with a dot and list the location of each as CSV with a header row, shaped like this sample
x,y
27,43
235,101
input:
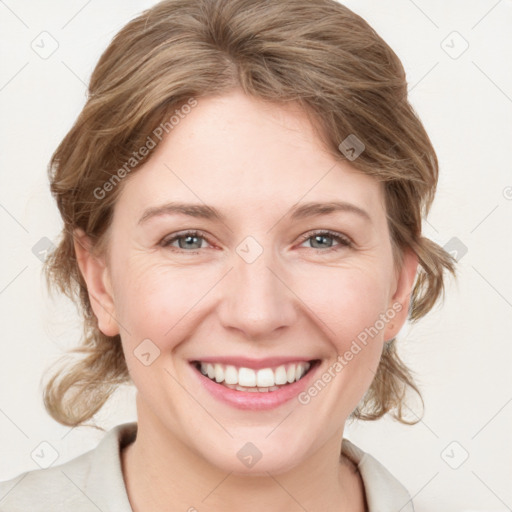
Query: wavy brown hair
x,y
316,53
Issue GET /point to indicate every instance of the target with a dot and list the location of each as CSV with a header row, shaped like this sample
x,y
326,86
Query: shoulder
x,y
86,483
37,489
383,491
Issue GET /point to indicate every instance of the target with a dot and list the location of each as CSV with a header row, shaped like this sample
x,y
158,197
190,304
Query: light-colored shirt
x,y
93,481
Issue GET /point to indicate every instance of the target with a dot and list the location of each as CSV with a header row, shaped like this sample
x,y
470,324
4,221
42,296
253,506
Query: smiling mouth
x,y
255,380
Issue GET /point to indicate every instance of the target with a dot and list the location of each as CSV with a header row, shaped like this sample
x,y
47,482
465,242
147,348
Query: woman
x,y
242,198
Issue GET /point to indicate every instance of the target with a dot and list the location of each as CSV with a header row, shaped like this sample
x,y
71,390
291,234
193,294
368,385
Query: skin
x,y
253,162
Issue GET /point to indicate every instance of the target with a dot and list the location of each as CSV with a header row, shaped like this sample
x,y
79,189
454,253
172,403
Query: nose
x,y
257,297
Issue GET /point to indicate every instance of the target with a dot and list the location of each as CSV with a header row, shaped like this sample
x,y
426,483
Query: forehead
x,y
240,153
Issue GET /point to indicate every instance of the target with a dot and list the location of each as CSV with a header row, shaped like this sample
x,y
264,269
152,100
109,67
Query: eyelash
x,y
343,240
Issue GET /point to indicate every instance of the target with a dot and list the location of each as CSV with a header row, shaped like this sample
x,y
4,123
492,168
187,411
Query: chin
x,y
255,455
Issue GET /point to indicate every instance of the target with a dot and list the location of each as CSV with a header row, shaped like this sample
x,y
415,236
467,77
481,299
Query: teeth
x,y
281,375
290,374
261,390
247,377
219,373
230,375
261,380
265,378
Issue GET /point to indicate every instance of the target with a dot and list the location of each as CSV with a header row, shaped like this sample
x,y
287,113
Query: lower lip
x,y
256,400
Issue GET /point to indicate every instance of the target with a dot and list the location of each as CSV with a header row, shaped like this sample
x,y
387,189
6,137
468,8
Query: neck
x,y
161,472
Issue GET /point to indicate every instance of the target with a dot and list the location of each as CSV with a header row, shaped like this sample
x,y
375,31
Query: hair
x,y
317,54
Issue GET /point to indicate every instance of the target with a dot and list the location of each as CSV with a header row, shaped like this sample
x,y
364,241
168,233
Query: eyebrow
x,y
312,209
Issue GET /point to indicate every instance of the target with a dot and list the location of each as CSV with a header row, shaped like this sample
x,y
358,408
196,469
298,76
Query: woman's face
x,y
255,283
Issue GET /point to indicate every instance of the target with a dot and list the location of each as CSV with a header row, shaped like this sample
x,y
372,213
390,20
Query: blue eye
x,y
191,241
190,238
321,236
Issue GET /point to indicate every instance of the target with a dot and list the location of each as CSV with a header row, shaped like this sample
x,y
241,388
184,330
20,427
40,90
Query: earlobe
x,y
401,299
96,276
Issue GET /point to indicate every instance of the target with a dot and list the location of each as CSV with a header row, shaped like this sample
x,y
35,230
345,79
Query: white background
x,y
461,353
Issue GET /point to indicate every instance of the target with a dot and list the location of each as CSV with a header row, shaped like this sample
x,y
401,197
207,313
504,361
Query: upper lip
x,y
247,362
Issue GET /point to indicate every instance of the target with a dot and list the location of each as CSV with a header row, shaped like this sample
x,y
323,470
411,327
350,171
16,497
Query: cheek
x,y
347,300
156,301
163,303
347,303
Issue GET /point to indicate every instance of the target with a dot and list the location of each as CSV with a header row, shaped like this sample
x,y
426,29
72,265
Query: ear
x,y
97,278
401,298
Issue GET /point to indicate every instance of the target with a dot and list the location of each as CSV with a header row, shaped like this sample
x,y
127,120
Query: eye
x,y
320,237
191,240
